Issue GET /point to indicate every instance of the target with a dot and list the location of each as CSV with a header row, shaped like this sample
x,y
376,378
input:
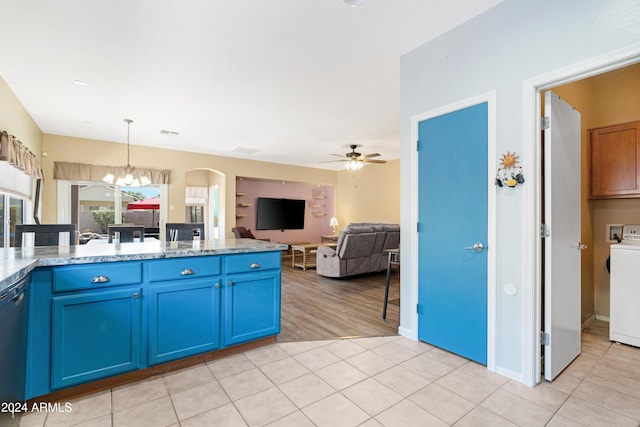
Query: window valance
x,y
95,173
15,153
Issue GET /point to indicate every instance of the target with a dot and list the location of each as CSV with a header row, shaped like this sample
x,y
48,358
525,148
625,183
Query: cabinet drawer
x,y
255,261
184,268
88,276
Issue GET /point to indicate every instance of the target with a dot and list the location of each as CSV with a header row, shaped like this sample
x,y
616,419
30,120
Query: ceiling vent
x,y
169,132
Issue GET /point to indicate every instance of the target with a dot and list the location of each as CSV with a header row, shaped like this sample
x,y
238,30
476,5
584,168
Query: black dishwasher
x,y
14,310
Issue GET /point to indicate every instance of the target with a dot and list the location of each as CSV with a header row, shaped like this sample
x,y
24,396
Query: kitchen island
x,y
104,315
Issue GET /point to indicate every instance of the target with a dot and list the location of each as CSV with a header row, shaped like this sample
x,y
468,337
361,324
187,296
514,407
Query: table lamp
x,y
334,223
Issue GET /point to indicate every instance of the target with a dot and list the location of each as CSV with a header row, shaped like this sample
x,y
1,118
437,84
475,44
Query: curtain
x,y
95,173
16,154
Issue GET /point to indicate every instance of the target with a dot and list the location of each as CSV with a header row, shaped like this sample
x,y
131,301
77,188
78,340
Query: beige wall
x,y
372,194
17,121
603,100
369,194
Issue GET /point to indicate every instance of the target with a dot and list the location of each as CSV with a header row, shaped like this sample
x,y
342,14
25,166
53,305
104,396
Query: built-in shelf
x,y
240,194
320,197
245,205
240,215
319,214
317,206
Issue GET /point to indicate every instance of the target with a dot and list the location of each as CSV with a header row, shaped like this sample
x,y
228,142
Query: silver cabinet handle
x,y
217,285
187,272
136,295
100,279
230,283
478,247
255,265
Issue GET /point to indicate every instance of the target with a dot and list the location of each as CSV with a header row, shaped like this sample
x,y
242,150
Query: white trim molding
x,y
532,261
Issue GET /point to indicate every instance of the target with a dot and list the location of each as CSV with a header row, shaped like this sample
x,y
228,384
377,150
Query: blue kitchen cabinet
x,y
184,319
95,335
97,320
251,297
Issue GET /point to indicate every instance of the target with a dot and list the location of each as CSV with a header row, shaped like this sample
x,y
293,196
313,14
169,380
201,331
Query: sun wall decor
x,y
509,173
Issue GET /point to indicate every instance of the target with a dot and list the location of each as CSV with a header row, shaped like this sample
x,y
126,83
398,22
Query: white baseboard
x,y
516,376
408,333
587,322
603,318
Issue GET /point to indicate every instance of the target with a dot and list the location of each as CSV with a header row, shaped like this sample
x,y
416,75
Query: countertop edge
x,y
18,263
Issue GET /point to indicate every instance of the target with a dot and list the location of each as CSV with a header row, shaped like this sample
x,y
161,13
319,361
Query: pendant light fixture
x,y
130,178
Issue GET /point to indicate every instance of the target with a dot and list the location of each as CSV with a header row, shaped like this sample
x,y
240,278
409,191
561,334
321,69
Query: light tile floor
x,y
382,381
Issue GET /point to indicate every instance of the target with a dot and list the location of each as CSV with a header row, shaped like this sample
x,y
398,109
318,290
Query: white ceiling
x,y
294,80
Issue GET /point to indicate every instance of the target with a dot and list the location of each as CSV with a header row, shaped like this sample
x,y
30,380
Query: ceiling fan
x,y
355,160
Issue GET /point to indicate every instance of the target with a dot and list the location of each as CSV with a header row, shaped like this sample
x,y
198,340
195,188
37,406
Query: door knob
x,y
581,247
478,247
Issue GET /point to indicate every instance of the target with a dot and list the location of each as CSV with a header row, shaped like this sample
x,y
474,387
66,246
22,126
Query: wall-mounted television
x,y
279,214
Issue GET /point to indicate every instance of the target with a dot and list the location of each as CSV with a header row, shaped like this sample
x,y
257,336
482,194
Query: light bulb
x,y
108,178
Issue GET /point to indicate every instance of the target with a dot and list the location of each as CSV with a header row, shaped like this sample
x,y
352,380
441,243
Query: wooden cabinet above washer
x,y
614,161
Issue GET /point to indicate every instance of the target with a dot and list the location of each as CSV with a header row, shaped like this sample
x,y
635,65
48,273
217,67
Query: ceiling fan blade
x,y
332,161
337,155
368,156
373,161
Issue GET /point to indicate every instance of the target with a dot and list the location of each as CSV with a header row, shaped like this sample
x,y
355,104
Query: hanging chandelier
x,y
130,178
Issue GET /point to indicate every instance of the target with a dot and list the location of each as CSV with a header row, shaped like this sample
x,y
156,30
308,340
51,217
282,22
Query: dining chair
x,y
45,234
184,231
127,232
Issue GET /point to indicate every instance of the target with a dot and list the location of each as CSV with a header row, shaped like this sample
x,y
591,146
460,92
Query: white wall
x,y
516,41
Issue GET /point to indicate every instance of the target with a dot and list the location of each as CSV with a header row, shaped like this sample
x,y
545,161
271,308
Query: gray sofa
x,y
360,250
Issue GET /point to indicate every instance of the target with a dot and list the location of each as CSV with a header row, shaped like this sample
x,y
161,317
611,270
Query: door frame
x,y
412,258
532,243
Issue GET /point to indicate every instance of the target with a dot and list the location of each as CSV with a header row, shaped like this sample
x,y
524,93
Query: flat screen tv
x,y
279,214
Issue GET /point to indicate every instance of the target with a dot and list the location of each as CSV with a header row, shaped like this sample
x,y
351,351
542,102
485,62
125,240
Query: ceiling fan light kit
x,y
355,160
353,165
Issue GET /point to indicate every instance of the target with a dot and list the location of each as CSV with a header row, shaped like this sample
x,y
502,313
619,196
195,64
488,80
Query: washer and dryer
x,y
624,315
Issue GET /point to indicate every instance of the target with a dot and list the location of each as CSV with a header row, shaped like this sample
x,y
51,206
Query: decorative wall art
x,y
509,173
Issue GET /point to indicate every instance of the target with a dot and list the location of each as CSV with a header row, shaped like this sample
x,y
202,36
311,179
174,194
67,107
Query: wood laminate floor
x,y
320,308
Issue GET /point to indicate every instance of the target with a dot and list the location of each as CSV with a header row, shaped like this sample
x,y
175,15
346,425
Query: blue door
x,y
452,185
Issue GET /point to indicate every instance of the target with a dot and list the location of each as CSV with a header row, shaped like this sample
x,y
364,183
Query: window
x,y
95,205
11,213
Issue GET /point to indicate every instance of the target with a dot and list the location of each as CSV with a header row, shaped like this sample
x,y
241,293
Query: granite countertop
x,y
15,263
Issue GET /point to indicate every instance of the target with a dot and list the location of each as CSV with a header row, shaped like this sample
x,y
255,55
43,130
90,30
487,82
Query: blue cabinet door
x,y
95,335
251,306
184,319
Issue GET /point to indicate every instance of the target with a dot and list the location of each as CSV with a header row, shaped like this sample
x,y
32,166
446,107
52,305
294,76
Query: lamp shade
x,y
333,222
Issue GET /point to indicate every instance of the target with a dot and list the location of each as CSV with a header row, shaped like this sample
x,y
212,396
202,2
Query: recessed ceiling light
x,y
80,82
353,3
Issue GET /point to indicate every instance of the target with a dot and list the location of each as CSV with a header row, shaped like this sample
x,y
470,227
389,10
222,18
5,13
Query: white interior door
x,y
562,246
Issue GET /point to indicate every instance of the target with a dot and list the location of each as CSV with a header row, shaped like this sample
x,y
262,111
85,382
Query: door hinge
x,y
418,145
545,338
418,227
545,231
418,308
544,123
